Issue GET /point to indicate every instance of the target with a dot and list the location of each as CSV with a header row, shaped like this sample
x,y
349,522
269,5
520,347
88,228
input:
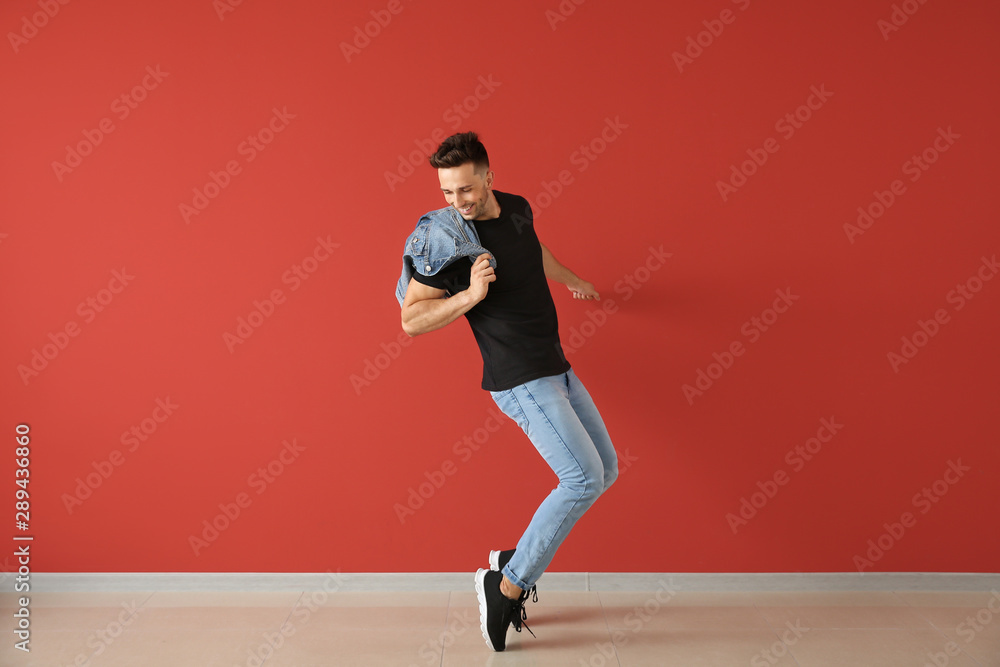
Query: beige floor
x,y
574,629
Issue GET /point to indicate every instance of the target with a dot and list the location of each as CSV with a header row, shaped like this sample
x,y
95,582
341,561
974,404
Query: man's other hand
x,y
480,277
584,290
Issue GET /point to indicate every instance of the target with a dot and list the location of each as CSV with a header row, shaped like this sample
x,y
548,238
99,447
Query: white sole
x,y
495,561
481,596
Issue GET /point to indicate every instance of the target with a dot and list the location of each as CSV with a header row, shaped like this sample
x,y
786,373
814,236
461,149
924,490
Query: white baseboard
x,y
552,581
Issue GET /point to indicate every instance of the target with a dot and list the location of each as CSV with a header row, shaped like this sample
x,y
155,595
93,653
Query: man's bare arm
x,y
425,309
580,288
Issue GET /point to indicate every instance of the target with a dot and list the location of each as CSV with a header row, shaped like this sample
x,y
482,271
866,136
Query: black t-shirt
x,y
515,325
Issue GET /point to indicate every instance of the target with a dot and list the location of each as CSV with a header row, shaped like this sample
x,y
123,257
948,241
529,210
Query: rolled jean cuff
x,y
513,578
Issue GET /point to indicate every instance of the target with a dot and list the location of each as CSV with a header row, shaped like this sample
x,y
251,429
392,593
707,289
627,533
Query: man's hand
x,y
581,289
480,277
425,308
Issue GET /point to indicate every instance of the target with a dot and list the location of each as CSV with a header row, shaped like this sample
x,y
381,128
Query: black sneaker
x,y
497,612
500,558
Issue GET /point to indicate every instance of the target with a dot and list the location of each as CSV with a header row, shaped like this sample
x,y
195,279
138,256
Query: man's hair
x,y
460,148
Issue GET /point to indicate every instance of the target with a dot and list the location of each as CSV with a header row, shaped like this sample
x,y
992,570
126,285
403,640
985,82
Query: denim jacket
x,y
441,237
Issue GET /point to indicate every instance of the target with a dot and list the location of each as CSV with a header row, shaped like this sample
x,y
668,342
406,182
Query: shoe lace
x,y
519,615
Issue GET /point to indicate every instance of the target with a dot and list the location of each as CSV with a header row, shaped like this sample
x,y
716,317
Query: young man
x,y
480,257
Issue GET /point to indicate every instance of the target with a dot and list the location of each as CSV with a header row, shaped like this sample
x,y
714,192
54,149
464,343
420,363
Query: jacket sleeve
x,y
407,273
415,244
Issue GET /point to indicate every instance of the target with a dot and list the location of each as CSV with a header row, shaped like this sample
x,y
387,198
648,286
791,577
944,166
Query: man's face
x,y
467,190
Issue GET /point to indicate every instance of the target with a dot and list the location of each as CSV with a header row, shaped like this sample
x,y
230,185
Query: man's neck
x,y
493,208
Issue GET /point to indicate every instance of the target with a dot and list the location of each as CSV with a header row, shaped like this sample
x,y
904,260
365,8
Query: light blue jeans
x,y
563,424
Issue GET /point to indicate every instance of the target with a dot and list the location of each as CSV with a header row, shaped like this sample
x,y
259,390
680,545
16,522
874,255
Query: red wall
x,y
625,145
